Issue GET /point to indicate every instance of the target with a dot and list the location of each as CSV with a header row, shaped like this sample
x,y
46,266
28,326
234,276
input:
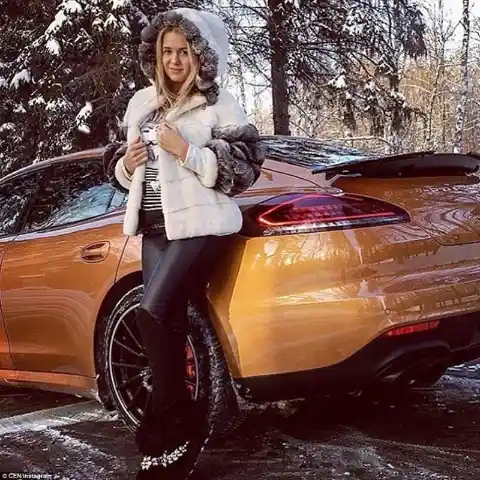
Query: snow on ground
x,y
470,370
53,417
380,435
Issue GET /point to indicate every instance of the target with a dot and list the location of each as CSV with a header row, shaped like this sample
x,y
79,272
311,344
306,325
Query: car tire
x,y
212,377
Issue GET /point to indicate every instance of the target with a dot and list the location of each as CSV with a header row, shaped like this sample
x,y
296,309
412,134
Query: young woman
x,y
190,149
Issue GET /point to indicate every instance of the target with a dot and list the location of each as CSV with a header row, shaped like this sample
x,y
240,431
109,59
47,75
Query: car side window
x,y
14,197
72,191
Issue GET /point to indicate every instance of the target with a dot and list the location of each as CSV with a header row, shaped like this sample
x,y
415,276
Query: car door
x,y
15,194
57,271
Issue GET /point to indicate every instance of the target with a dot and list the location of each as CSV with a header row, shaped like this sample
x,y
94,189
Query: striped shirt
x,y
151,198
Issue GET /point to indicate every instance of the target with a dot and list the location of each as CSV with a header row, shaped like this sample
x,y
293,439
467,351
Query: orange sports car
x,y
350,269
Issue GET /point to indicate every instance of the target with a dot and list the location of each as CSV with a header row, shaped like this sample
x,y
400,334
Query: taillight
x,y
315,212
408,329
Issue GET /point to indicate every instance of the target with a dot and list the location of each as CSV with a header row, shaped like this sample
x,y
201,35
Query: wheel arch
x,y
224,407
114,295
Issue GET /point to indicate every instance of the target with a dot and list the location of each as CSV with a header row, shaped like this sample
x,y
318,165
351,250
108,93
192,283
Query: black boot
x,y
183,437
174,429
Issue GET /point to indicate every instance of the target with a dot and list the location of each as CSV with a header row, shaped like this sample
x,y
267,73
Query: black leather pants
x,y
173,272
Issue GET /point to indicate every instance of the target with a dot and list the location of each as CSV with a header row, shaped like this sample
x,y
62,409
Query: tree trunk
x,y
395,123
277,34
439,82
241,81
396,120
462,103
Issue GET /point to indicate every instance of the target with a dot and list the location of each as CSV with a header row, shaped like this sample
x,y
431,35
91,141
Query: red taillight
x,y
311,212
407,330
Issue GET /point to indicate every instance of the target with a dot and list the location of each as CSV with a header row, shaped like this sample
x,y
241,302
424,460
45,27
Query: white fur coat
x,y
191,206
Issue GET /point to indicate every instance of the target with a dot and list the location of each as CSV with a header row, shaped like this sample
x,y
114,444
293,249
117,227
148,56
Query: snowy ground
x,y
430,434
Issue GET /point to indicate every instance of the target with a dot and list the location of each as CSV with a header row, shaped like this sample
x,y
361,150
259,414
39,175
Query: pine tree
x,y
67,71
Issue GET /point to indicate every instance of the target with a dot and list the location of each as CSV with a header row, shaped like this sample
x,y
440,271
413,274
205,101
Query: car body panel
x,y
299,302
82,385
448,208
287,175
6,362
131,262
51,297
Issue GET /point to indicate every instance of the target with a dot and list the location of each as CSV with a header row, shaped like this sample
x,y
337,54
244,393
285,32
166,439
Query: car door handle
x,y
95,252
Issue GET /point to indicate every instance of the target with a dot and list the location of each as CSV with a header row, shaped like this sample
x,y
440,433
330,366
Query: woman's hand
x,y
169,138
135,155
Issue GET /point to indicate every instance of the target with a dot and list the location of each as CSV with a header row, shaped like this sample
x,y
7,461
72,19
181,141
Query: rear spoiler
x,y
405,165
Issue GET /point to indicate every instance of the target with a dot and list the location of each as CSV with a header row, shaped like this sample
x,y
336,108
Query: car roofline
x,y
98,152
77,156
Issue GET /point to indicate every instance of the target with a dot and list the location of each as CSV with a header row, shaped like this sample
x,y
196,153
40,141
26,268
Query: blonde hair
x,y
173,99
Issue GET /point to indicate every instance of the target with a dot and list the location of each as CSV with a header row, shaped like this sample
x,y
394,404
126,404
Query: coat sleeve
x,y
240,155
232,160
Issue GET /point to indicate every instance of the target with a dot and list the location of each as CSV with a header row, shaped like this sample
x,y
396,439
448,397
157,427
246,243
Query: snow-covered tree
x,y
67,71
286,45
347,52
69,67
379,35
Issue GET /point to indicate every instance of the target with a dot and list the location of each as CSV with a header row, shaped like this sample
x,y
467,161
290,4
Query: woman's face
x,y
175,59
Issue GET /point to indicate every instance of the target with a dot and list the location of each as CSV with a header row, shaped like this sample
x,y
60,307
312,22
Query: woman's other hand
x,y
135,155
169,138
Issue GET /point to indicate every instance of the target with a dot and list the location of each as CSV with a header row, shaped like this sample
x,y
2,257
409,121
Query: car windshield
x,y
312,154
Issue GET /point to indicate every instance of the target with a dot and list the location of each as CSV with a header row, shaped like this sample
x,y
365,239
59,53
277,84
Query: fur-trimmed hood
x,y
206,34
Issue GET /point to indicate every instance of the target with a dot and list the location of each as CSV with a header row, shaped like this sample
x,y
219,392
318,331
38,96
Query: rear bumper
x,y
455,340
